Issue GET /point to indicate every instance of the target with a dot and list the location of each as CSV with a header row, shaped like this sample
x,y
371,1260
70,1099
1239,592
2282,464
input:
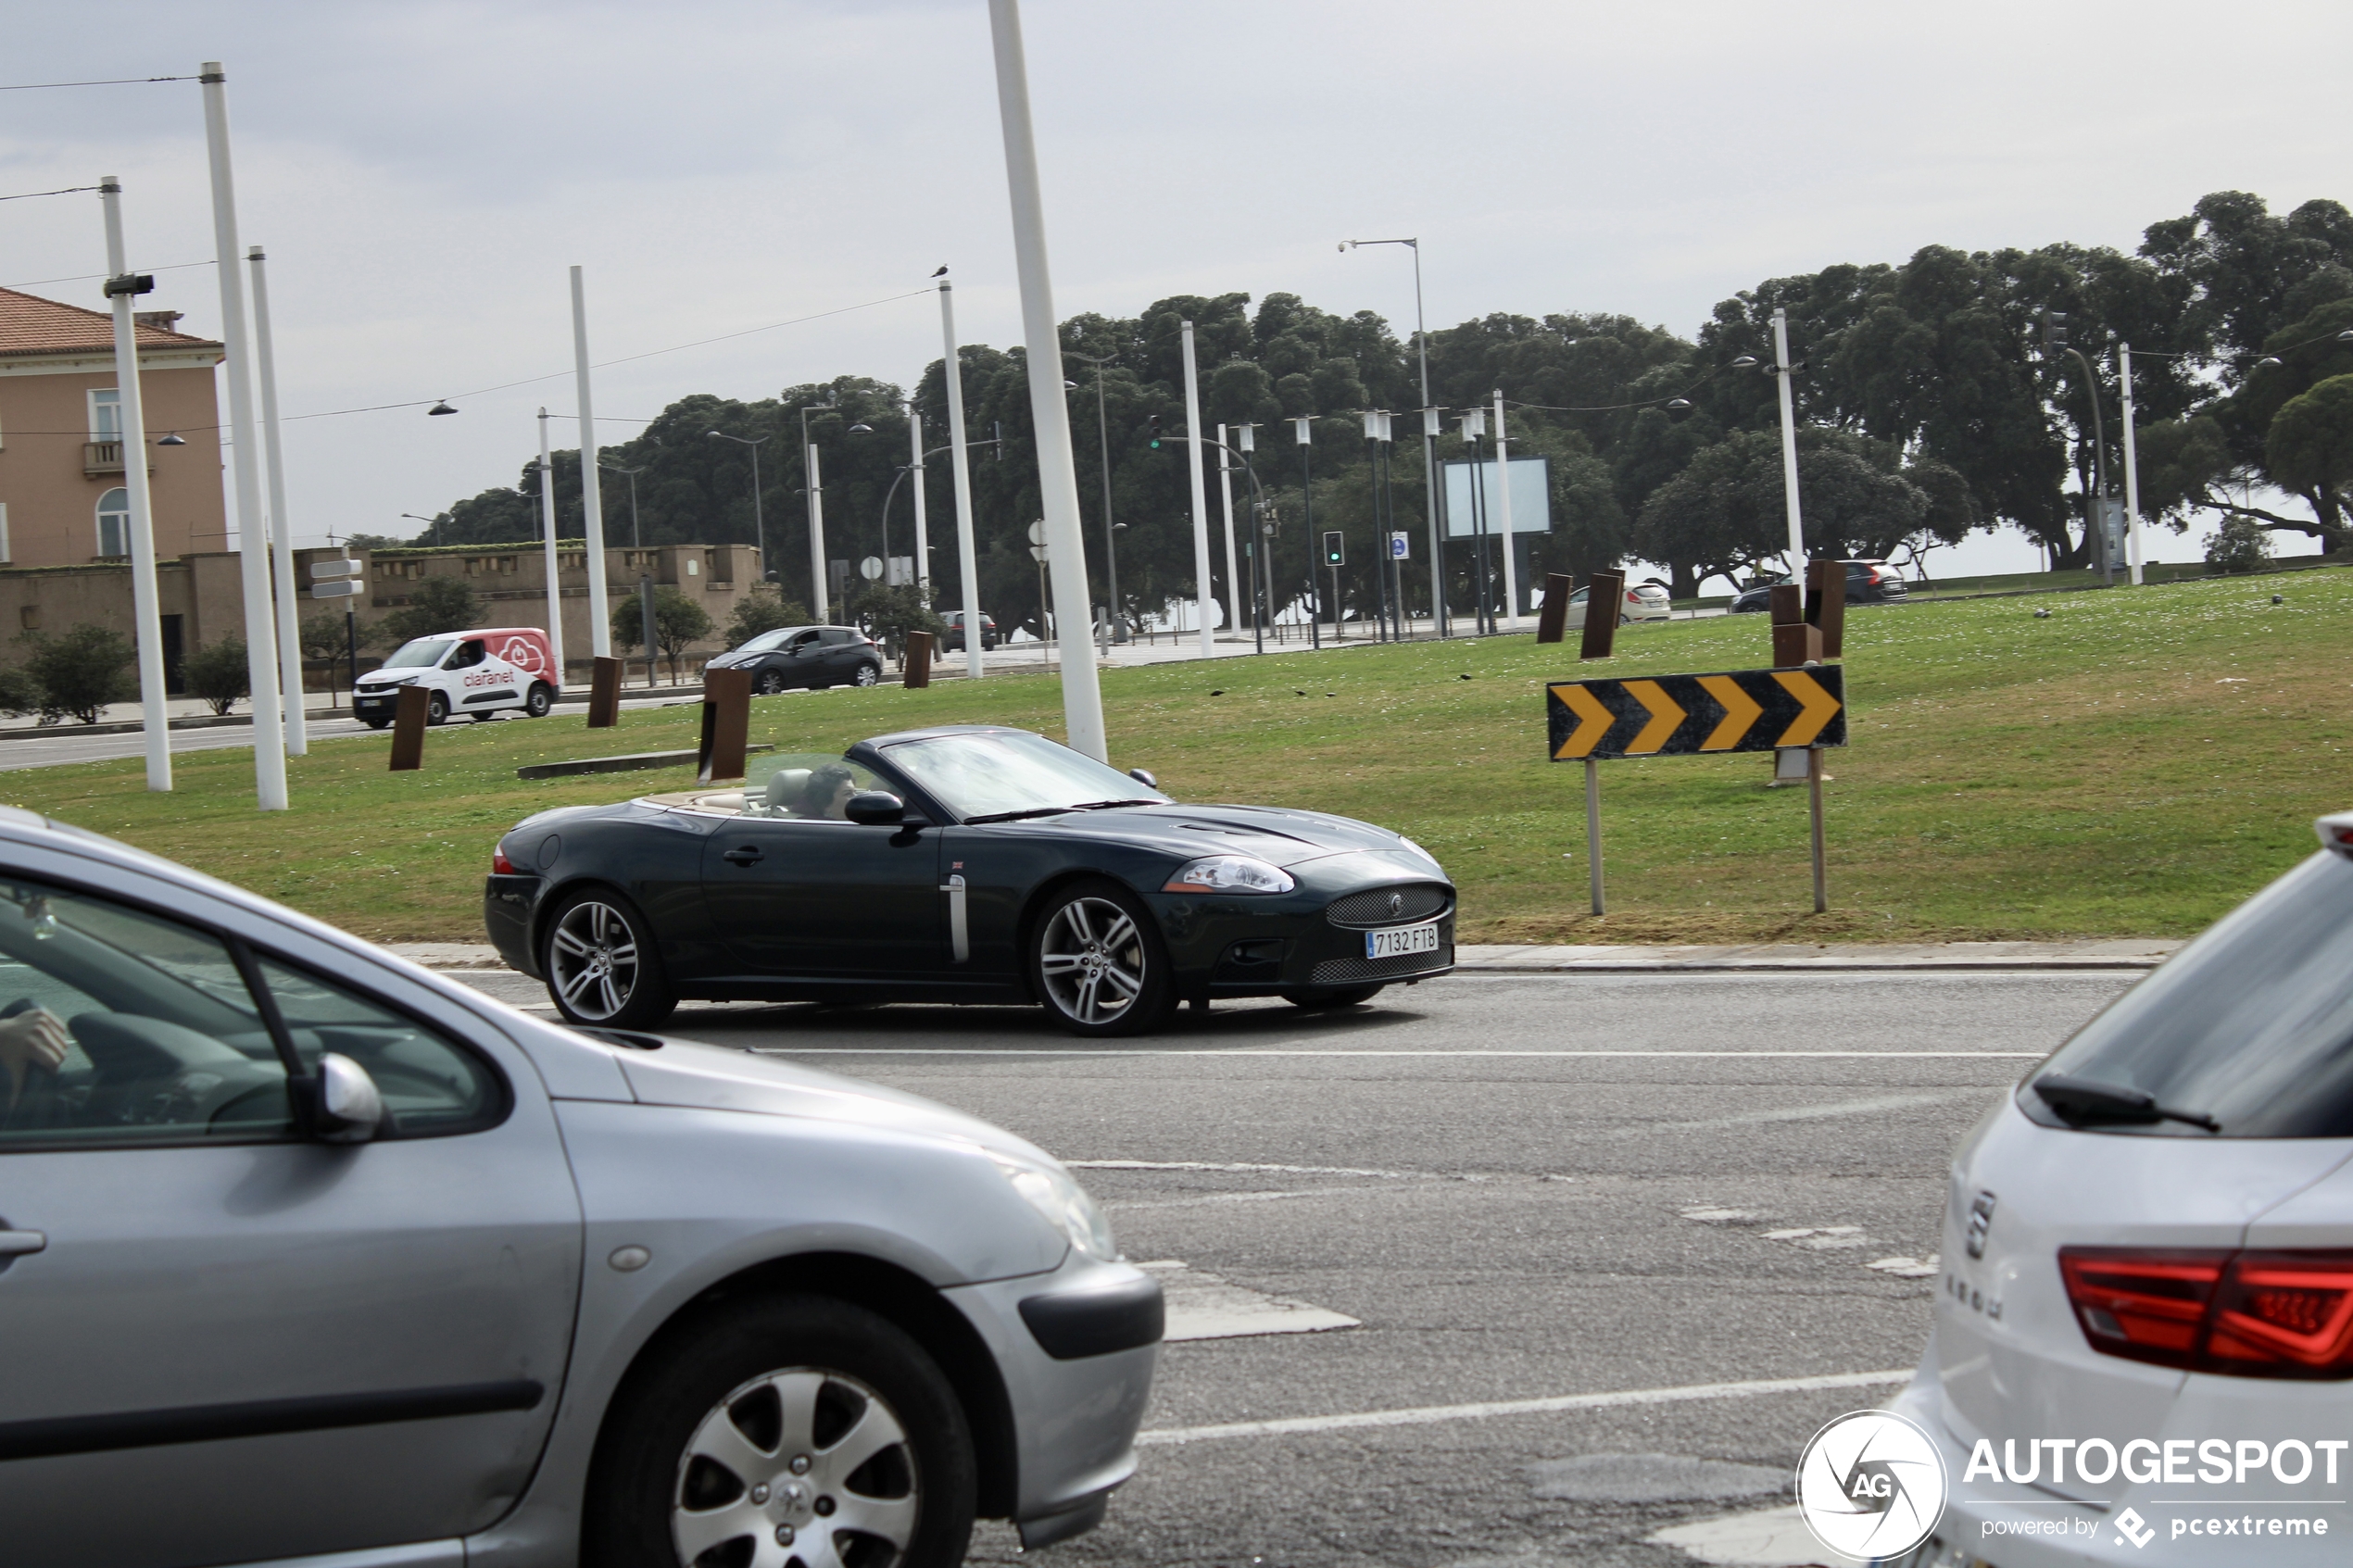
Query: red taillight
x,y
2242,1314
499,864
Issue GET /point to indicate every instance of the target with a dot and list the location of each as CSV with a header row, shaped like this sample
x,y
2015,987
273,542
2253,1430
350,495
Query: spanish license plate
x,y
1401,941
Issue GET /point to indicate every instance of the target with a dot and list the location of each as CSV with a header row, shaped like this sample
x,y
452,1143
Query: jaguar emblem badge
x,y
1396,905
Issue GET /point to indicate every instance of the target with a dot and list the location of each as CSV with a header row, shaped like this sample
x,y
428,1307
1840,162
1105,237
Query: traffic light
x,y
1335,551
1155,433
2054,330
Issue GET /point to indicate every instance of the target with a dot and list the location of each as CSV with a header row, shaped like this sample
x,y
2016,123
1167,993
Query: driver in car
x,y
35,1037
828,793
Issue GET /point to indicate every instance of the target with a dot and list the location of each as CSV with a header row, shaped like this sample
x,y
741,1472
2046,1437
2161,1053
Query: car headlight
x,y
1229,873
1061,1202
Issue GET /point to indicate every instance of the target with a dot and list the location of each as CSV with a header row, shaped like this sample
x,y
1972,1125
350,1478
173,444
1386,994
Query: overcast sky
x,y
424,172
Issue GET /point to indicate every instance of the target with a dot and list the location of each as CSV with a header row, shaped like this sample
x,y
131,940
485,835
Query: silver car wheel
x,y
593,960
867,675
1091,958
805,1466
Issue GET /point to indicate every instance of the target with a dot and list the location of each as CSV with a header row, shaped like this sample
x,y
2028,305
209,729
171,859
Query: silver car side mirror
x,y
1142,777
349,1109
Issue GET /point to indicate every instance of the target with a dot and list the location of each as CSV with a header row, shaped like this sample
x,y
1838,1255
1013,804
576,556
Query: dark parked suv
x,y
1868,582
815,657
953,640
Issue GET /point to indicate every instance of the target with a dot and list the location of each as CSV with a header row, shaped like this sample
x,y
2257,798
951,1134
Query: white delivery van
x,y
489,669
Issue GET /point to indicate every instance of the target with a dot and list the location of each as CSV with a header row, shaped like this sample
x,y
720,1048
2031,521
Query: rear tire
x,y
603,968
539,699
867,675
1096,961
885,1471
1316,1000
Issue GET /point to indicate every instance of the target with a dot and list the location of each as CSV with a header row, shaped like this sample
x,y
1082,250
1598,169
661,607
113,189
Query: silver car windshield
x,y
986,775
2251,1024
423,654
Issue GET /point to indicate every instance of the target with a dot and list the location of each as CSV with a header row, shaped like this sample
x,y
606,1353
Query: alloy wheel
x,y
867,675
771,681
799,1466
592,958
1091,957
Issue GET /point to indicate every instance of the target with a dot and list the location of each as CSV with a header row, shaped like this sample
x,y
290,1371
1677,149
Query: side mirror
x,y
348,1109
876,809
1144,778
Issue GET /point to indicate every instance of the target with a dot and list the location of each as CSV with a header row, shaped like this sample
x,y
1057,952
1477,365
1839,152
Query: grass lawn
x,y
2133,765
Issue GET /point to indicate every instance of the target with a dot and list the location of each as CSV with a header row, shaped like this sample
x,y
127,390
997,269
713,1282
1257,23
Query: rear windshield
x,y
2251,1024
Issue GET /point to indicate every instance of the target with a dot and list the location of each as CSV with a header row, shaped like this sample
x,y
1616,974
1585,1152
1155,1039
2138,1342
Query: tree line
x,y
1928,408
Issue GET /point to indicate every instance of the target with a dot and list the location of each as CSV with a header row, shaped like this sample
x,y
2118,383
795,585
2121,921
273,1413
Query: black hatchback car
x,y
1868,582
814,657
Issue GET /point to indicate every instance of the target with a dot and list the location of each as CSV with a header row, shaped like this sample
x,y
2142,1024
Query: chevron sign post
x,y
1588,722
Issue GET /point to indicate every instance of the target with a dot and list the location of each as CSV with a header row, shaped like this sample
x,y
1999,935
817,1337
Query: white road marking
x,y
1909,1268
1837,1107
1424,1415
1473,1054
1207,1306
1708,1216
1223,1165
1226,1197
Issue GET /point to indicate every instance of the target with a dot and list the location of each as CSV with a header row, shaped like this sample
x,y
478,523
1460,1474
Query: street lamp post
x,y
635,542
1429,433
1305,428
1782,369
759,519
432,522
812,487
1102,435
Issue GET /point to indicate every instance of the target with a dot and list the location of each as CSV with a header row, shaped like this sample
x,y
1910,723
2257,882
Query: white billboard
x,y
1531,498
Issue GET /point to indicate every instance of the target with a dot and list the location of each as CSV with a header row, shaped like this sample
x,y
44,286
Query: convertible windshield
x,y
986,775
423,654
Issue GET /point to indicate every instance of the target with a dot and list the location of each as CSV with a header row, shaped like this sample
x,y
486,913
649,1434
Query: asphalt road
x,y
1523,1188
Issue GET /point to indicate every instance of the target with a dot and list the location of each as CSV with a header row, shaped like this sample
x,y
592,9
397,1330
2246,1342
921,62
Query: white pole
x,y
1226,499
2131,462
1050,410
1789,447
253,539
591,498
547,526
146,619
816,535
1504,492
951,369
1200,500
923,533
280,530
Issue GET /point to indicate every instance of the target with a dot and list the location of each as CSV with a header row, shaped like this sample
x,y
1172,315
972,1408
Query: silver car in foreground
x,y
306,1252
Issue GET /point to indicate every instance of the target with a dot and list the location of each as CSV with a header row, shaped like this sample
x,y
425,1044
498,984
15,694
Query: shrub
x,y
217,672
764,609
2240,545
78,674
895,611
678,620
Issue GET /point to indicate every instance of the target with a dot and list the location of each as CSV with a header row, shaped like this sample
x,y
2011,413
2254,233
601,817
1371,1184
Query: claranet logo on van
x,y
1871,1485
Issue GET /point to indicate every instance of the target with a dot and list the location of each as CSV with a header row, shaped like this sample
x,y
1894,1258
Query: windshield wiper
x,y
1016,816
2085,1100
1106,805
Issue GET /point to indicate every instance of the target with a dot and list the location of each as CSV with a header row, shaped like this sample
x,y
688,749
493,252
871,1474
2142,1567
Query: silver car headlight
x,y
1229,873
1061,1202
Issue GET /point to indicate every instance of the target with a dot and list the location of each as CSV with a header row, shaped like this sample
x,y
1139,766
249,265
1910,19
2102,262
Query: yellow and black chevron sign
x,y
1687,715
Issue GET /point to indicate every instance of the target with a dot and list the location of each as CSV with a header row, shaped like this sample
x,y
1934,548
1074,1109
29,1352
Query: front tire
x,y
602,967
436,710
770,683
780,1422
1097,962
540,700
377,723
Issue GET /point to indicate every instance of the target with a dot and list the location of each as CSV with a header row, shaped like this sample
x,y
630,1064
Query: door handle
x,y
17,1244
747,856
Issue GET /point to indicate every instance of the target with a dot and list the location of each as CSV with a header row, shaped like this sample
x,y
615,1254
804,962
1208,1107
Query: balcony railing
x,y
101,458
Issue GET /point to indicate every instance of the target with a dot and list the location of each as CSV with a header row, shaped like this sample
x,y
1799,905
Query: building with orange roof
x,y
62,498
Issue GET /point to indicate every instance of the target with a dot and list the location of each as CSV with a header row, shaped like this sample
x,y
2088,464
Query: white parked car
x,y
2143,1326
489,669
1644,601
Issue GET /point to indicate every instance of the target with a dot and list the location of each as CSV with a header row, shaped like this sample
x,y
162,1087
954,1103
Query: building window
x,y
114,522
105,414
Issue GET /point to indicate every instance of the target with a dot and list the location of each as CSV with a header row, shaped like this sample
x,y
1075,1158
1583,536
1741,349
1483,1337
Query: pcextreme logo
x,y
1871,1485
